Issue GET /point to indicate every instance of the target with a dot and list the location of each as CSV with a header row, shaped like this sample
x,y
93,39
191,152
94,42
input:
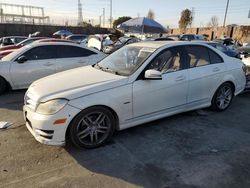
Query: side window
x,y
41,52
197,55
73,51
214,57
168,61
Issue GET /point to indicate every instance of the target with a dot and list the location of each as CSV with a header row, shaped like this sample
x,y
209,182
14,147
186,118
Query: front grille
x,y
48,134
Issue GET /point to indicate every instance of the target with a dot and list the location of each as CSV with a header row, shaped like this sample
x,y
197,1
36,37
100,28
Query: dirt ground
x,y
194,149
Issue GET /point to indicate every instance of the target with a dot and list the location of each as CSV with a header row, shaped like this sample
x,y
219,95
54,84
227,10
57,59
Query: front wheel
x,y
223,97
92,127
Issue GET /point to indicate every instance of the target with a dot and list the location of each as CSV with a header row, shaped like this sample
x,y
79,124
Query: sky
x,y
167,12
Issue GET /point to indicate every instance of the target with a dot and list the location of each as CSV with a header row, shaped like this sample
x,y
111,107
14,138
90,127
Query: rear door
x,y
205,73
40,63
70,57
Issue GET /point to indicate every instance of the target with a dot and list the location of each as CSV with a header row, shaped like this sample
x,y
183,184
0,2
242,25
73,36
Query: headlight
x,y
51,107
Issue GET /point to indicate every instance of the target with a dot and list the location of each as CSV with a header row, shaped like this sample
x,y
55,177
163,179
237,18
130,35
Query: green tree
x,y
120,20
85,24
151,14
185,20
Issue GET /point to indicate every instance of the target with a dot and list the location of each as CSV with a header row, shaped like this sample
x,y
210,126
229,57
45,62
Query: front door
x,y
151,97
40,63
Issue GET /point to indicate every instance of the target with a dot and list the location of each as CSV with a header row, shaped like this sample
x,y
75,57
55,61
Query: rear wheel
x,y
223,97
3,85
92,127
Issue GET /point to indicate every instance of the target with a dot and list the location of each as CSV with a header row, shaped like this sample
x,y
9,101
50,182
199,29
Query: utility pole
x,y
110,13
193,15
100,20
103,17
80,19
224,23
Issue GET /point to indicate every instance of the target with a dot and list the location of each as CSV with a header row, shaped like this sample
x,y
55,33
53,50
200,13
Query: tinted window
x,y
41,52
197,56
17,40
73,51
168,61
214,57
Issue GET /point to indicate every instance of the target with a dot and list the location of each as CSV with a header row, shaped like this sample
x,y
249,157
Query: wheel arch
x,y
104,106
8,83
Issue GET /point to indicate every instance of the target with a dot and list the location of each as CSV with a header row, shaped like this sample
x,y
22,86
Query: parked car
x,y
122,41
230,43
138,83
21,44
174,37
99,41
39,59
189,37
228,51
11,40
5,50
77,37
244,52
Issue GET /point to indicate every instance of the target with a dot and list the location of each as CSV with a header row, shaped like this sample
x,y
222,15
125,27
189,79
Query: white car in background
x,y
31,62
140,82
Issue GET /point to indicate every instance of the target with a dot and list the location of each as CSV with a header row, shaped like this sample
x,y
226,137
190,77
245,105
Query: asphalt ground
x,y
194,149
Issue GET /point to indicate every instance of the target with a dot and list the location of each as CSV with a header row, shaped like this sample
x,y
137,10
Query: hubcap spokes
x,y
93,128
224,98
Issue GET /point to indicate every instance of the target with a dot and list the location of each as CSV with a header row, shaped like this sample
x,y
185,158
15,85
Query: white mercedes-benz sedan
x,y
138,83
39,59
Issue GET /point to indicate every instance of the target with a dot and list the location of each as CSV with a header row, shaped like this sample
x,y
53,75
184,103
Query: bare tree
x,y
151,14
214,22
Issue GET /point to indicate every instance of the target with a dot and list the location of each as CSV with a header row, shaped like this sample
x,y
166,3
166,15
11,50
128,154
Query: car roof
x,y
15,37
159,44
37,43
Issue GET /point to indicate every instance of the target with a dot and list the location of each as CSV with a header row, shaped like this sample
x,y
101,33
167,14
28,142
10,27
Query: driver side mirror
x,y
22,59
152,74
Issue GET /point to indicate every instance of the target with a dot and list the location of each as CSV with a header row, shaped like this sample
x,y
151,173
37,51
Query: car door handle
x,y
216,69
48,64
81,62
180,78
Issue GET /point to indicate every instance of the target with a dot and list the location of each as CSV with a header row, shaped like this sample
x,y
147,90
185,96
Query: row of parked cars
x,y
138,83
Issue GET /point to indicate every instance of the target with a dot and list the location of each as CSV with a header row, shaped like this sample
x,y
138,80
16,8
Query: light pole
x,y
110,13
224,23
103,17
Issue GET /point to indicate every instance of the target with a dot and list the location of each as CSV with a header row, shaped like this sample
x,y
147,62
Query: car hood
x,y
74,83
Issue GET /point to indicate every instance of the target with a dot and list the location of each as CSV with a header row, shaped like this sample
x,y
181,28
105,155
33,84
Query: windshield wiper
x,y
111,71
98,66
106,69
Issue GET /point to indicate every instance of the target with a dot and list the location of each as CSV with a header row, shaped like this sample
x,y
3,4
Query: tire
x,y
92,128
3,86
223,97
